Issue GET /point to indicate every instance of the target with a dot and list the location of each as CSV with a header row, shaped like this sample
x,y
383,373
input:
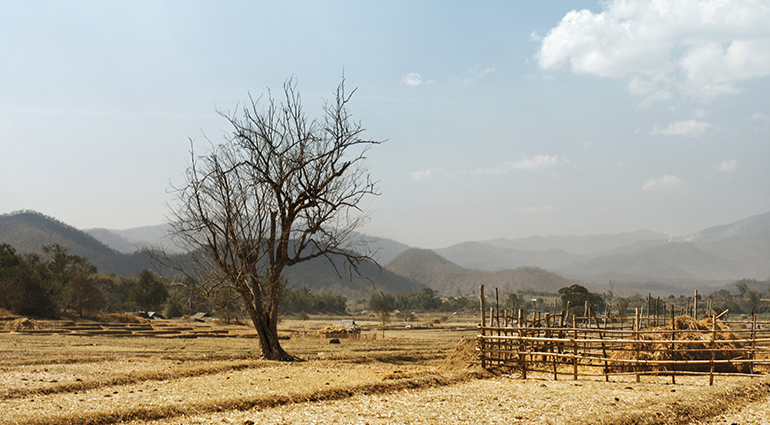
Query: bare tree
x,y
280,190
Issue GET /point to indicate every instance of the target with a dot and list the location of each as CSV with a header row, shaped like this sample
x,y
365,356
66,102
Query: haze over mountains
x,y
639,261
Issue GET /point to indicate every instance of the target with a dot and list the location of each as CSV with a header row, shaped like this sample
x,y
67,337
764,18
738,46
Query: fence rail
x,y
600,346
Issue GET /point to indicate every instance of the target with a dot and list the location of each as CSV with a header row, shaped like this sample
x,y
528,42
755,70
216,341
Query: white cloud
x,y
419,175
536,163
727,165
687,128
536,209
664,184
486,71
758,116
412,79
530,164
701,48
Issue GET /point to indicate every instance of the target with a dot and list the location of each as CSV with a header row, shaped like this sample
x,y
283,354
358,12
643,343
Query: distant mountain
x,y
114,240
137,238
670,260
318,274
707,258
28,231
432,270
751,225
580,245
480,256
385,250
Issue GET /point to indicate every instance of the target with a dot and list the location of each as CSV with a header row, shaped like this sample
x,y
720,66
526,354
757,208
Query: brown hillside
x,y
434,271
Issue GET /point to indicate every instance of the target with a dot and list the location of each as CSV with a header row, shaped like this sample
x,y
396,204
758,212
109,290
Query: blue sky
x,y
502,119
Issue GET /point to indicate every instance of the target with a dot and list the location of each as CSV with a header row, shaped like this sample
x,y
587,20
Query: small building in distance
x,y
202,317
350,326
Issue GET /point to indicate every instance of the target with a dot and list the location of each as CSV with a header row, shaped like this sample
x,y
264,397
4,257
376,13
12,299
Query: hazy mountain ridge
x,y
28,231
643,260
434,271
574,244
479,256
726,252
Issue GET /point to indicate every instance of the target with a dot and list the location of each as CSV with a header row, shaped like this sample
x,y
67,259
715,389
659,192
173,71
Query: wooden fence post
x,y
695,306
638,344
574,348
483,325
673,338
713,349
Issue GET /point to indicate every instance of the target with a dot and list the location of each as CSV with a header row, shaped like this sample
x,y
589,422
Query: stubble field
x,y
208,376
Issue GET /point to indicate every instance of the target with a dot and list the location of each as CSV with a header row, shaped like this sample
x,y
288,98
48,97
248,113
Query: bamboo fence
x,y
594,346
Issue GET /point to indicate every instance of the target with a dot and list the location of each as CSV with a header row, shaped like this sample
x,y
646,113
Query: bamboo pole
x,y
695,306
483,324
574,348
713,338
638,345
753,339
673,337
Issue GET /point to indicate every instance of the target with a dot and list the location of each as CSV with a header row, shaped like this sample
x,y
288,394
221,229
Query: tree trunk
x,y
269,344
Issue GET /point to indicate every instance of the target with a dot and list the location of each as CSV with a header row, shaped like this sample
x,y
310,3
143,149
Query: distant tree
x,y
174,305
149,291
21,288
281,190
577,295
382,308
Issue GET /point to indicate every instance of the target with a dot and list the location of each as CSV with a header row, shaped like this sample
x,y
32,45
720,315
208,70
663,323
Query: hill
x,y
707,258
434,271
476,255
580,245
28,231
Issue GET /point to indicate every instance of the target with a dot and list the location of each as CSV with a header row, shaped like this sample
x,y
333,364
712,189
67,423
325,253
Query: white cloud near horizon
x,y
686,128
536,163
419,175
413,79
663,184
702,49
727,165
528,164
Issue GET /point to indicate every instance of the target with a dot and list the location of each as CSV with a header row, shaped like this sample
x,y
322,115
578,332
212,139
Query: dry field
x,y
205,375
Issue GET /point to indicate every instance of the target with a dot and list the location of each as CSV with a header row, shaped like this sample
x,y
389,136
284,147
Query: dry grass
x,y
411,376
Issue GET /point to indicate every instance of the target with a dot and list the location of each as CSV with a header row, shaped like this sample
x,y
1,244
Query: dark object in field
x,y
334,341
284,337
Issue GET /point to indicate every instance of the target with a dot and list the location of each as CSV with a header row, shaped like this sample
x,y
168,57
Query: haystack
x,y
333,332
464,357
21,324
658,346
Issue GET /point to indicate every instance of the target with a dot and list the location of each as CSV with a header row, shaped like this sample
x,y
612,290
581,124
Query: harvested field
x,y
411,376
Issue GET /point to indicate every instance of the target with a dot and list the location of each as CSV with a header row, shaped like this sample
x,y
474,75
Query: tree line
x,y
48,283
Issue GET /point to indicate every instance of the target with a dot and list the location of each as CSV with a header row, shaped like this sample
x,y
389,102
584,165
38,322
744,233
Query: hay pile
x,y
333,332
22,324
658,346
464,357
